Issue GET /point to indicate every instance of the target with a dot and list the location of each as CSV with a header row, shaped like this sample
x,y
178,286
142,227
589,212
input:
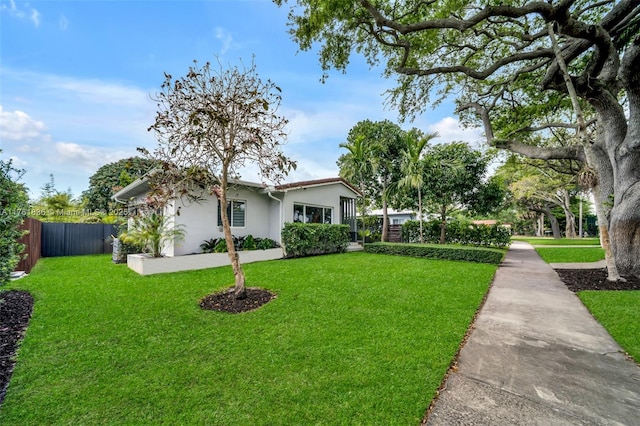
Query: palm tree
x,y
413,165
357,166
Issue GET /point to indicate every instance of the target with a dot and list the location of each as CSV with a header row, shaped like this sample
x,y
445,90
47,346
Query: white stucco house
x,y
254,209
396,217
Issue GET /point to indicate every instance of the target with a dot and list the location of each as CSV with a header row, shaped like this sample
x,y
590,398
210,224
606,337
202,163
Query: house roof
x,y
141,186
316,182
393,212
137,187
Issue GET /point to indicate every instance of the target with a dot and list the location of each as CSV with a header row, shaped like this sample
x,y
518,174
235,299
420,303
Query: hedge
x,y
307,239
434,251
457,233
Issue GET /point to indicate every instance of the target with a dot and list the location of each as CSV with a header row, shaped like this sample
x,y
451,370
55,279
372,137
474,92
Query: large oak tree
x,y
572,63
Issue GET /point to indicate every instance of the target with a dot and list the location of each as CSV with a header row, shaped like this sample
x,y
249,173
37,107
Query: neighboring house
x,y
254,209
396,217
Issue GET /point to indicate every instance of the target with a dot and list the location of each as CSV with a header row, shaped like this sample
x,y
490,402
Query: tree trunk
x,y
420,215
443,225
570,227
385,220
555,226
624,228
240,290
602,191
620,139
538,225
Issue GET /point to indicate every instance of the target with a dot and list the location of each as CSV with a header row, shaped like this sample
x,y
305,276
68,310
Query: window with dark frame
x,y
236,211
312,214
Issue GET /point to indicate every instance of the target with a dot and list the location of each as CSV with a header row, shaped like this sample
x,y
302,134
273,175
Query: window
x,y
235,212
311,214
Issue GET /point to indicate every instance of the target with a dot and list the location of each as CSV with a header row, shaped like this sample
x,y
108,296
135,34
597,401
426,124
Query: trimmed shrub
x,y
434,251
457,233
307,239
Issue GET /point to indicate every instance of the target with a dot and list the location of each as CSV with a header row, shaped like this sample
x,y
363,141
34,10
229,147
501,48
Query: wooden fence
x,y
395,233
33,242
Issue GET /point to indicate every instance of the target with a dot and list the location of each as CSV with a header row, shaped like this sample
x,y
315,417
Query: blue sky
x,y
76,79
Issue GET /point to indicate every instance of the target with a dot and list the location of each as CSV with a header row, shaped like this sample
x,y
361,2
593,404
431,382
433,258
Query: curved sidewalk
x,y
536,356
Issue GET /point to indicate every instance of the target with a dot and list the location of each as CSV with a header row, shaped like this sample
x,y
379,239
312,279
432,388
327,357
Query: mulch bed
x,y
594,279
15,312
226,301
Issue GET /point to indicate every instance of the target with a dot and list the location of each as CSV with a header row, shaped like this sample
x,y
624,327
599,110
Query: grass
x,y
354,338
539,241
618,312
570,254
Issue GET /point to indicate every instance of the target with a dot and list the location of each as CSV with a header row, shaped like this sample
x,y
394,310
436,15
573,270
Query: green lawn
x,y
354,338
538,241
570,254
618,312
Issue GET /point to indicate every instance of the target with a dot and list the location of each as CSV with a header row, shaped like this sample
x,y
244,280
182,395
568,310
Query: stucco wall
x,y
322,196
264,216
200,220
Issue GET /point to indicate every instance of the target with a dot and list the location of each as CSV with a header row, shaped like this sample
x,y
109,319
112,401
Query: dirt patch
x,y
594,279
226,301
15,312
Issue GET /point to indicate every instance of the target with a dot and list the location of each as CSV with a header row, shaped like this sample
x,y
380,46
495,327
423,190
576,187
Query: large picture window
x,y
311,214
236,213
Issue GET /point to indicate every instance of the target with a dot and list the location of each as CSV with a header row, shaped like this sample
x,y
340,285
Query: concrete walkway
x,y
537,357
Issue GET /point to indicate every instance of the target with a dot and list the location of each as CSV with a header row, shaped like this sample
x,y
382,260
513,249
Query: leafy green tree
x,y
567,64
112,177
541,186
13,209
209,124
454,177
54,205
372,163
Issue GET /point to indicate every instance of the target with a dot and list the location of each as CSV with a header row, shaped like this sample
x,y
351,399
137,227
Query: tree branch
x,y
572,152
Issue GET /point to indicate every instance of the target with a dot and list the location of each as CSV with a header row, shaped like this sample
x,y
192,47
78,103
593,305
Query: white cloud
x,y
226,38
27,12
63,22
88,158
89,123
450,130
35,17
308,126
17,162
19,126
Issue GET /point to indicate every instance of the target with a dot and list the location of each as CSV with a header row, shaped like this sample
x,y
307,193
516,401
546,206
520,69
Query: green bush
x,y
306,239
13,209
266,243
457,232
471,254
249,243
221,246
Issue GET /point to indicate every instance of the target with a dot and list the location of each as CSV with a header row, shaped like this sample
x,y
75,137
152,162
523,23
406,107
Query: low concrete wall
x,y
145,265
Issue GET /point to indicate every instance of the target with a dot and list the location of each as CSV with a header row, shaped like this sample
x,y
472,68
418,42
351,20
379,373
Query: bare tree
x,y
211,123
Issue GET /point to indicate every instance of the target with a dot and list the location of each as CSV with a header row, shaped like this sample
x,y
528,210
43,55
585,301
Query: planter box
x,y
146,265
